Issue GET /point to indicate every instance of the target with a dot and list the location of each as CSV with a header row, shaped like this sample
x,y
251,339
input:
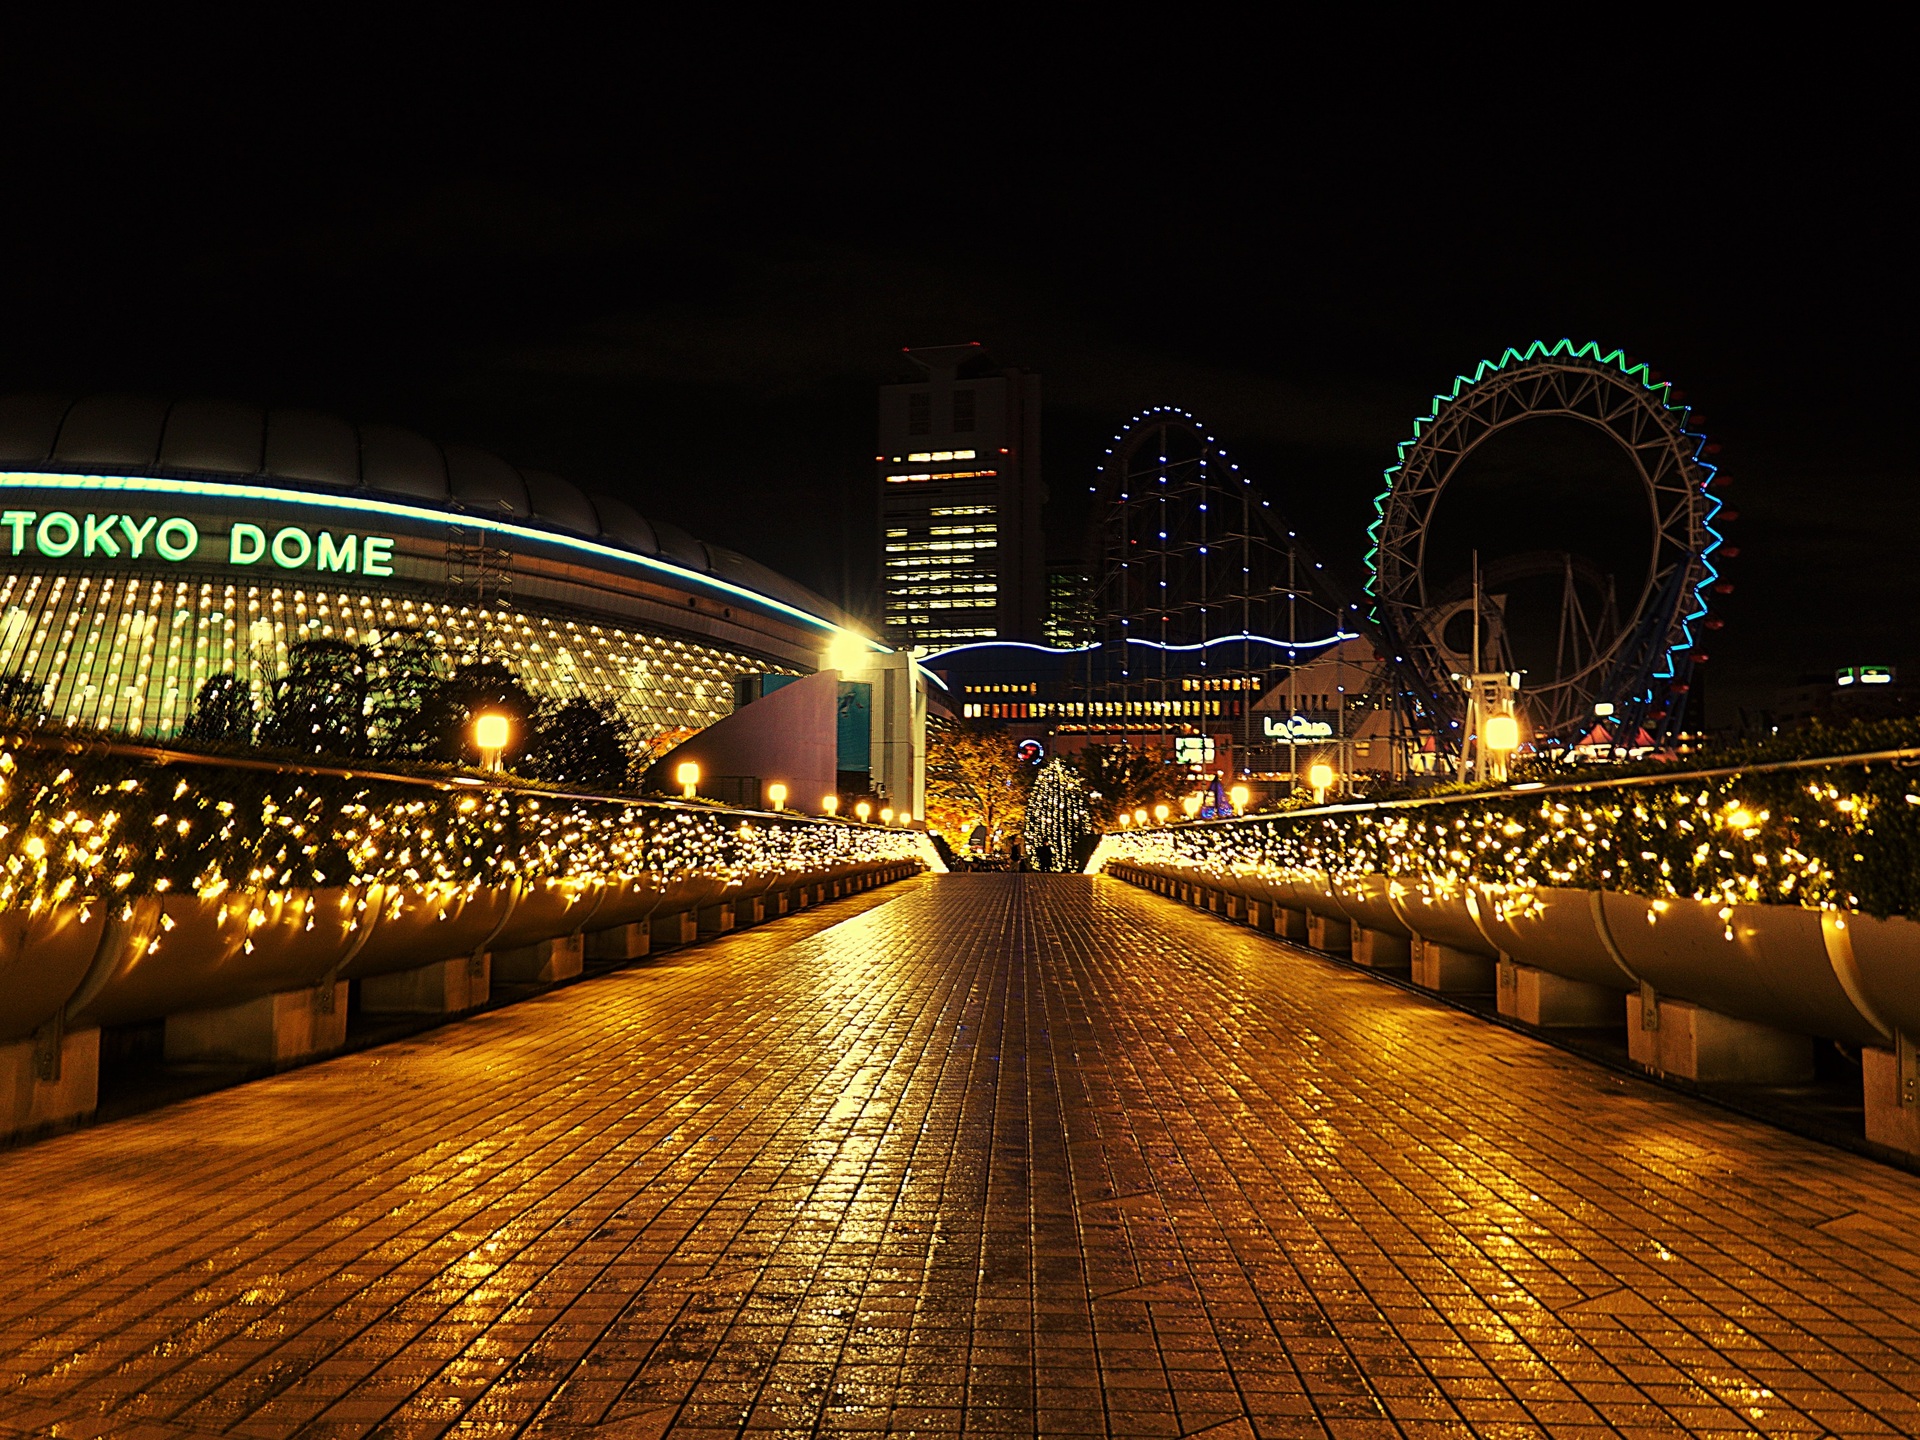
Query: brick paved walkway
x,y
1002,1154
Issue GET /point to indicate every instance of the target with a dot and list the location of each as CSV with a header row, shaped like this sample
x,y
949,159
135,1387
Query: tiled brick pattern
x,y
1006,1155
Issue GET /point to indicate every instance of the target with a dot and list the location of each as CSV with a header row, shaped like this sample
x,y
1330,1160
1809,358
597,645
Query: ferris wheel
x,y
1604,646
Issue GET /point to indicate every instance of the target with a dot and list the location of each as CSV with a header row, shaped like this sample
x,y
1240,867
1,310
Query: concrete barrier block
x,y
1694,1043
621,942
1889,1122
1333,936
446,987
1290,924
44,1084
1452,972
1643,1037
1237,907
716,919
1538,997
750,911
541,964
274,1029
677,929
1379,950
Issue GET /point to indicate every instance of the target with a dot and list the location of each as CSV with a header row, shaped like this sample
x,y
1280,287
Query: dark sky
x,y
676,273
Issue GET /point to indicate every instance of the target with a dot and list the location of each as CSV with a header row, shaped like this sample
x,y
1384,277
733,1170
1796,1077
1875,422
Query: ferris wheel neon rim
x,y
1688,446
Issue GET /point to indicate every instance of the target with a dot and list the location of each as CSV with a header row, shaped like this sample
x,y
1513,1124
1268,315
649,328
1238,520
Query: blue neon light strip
x,y
159,485
1333,639
1007,645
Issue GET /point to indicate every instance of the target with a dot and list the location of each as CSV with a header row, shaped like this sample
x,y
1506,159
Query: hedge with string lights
x,y
1838,832
78,822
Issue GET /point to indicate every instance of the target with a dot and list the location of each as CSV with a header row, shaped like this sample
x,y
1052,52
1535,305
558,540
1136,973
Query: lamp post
x,y
1240,795
1140,815
1160,813
688,774
1501,737
1191,804
1321,777
863,810
886,815
830,804
491,731
777,793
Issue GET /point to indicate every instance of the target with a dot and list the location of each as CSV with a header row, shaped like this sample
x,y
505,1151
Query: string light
x,y
111,823
1828,834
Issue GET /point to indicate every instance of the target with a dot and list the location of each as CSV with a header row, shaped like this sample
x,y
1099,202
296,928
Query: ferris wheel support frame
x,y
1650,658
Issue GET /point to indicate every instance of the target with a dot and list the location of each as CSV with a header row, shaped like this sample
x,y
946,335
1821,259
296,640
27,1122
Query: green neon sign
x,y
59,534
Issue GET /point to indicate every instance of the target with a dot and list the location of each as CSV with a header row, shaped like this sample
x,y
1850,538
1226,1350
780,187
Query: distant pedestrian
x,y
1043,853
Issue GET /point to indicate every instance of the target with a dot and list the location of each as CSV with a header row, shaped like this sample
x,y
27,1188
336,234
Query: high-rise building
x,y
1069,606
960,494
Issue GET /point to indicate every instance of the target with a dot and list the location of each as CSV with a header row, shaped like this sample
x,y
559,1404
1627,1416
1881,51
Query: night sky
x,y
677,275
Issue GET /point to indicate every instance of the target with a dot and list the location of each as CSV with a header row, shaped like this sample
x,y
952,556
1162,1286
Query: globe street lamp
x,y
688,774
491,731
830,804
777,793
1501,736
1240,795
863,810
1321,777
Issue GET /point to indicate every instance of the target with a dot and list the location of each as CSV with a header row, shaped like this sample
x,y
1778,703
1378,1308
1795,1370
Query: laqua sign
x,y
58,534
1295,727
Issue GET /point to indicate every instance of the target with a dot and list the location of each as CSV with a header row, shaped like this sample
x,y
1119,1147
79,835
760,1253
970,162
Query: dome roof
x,y
221,439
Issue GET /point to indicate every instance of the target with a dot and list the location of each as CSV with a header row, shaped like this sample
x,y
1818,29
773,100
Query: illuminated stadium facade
x,y
148,547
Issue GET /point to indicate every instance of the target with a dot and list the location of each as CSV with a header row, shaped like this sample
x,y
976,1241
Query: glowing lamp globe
x,y
777,795
863,810
1320,777
1126,819
688,774
886,815
1191,805
846,651
1140,815
491,731
1239,795
830,804
1160,813
1502,733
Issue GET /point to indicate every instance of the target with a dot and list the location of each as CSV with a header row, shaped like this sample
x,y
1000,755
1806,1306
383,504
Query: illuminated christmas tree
x,y
1058,815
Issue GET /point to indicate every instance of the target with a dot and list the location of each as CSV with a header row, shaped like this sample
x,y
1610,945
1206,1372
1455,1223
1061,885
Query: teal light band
x,y
365,505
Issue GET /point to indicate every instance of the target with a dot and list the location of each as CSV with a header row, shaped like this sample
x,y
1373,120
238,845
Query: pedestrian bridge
x,y
1010,1154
